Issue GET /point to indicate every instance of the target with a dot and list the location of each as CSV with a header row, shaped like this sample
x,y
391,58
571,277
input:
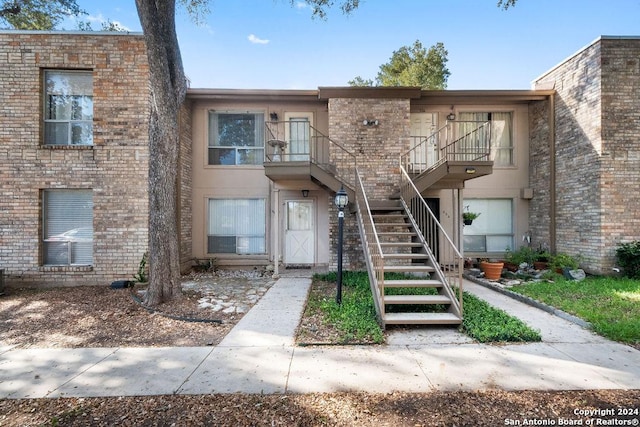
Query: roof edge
x,y
73,33
225,93
326,92
579,51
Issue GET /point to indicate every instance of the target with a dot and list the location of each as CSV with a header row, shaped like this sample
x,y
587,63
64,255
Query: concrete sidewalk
x,y
259,356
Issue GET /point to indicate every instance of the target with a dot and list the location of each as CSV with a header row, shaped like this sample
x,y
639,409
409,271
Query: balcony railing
x,y
298,141
456,141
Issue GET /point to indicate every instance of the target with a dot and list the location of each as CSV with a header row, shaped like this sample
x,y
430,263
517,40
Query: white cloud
x,y
302,5
255,40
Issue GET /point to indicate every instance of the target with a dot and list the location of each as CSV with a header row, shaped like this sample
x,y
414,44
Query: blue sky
x,y
272,44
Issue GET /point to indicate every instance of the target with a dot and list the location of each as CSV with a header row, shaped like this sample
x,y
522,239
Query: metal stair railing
x,y
373,250
455,141
443,253
313,146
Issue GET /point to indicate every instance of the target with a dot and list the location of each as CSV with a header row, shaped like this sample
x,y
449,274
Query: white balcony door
x,y
299,233
424,125
298,136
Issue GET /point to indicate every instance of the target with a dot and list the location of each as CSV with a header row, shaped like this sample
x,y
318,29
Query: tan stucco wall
x,y
251,182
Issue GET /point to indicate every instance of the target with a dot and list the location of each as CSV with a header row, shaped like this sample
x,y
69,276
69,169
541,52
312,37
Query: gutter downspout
x,y
552,174
276,235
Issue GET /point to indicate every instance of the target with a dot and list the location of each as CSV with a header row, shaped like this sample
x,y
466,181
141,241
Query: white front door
x,y
299,233
423,125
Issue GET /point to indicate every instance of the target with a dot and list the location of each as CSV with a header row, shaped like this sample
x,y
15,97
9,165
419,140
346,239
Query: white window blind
x,y
68,227
236,226
501,134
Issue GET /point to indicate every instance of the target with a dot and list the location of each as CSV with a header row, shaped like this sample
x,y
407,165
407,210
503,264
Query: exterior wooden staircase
x,y
409,284
415,294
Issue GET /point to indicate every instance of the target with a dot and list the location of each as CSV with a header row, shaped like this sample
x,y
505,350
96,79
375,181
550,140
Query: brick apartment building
x,y
259,168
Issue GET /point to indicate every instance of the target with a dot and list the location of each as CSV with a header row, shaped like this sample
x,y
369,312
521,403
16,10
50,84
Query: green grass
x,y
486,323
356,318
611,305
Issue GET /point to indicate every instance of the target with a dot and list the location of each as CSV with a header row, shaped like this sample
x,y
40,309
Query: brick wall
x,y
185,188
620,157
115,168
540,172
378,149
597,155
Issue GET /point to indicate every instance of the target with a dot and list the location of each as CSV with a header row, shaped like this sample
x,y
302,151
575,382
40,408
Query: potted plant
x,y
542,258
561,262
468,217
492,269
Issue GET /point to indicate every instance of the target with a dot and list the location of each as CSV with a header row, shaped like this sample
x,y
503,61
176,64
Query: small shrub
x,y
522,255
628,255
561,261
141,275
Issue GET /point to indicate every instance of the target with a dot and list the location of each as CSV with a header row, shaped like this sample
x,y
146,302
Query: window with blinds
x,y
236,226
501,134
67,227
68,107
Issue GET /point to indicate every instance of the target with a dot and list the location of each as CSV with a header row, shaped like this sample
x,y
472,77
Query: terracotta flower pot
x,y
492,270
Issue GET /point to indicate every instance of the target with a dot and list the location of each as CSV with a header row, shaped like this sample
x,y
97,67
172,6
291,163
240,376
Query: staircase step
x,y
409,268
401,244
421,319
389,216
394,224
406,283
385,208
406,256
396,233
417,299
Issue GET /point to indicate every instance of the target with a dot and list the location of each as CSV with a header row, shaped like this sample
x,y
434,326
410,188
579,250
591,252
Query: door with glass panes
x,y
298,136
299,233
423,141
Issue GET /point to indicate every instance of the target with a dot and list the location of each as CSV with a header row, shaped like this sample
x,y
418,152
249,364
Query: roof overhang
x,y
369,92
460,97
252,94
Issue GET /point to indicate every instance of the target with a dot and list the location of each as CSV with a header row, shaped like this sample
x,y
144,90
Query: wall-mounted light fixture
x,y
470,170
274,117
305,193
372,122
451,116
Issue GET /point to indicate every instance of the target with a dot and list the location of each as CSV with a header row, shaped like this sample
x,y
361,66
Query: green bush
x,y
628,255
561,261
523,254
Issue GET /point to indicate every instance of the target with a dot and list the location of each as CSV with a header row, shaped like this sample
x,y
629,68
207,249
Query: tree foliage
x,y
412,66
506,4
37,14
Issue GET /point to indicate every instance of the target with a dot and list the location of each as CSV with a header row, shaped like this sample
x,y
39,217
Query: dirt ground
x,y
104,317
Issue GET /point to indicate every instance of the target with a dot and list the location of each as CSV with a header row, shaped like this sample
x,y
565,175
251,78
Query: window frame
x,y
468,231
213,139
237,235
74,106
54,242
494,149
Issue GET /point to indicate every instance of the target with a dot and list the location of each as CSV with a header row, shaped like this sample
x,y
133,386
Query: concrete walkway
x,y
259,356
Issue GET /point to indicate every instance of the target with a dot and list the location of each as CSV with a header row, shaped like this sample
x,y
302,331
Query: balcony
x,y
296,151
455,153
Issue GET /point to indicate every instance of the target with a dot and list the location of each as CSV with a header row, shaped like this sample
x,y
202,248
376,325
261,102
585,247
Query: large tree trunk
x,y
168,89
